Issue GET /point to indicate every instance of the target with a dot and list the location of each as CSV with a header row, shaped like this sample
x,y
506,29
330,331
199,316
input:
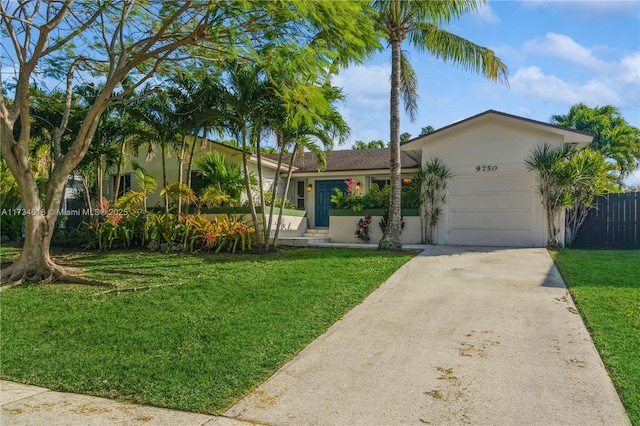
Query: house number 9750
x,y
486,168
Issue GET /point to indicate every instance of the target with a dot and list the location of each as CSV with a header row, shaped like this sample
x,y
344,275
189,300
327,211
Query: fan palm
x,y
227,178
418,22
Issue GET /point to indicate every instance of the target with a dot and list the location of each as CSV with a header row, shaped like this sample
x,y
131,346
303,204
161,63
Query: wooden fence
x,y
613,223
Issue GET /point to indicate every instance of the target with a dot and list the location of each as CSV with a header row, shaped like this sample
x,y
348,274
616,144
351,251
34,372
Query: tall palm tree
x,y
244,89
160,127
418,22
613,136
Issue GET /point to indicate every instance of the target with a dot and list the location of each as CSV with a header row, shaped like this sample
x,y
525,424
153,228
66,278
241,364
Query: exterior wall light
x,y
309,188
358,186
406,181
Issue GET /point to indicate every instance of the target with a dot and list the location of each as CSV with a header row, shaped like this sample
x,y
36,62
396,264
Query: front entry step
x,y
316,233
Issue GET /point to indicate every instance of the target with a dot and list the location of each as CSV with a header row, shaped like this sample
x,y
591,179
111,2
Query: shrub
x,y
362,229
170,232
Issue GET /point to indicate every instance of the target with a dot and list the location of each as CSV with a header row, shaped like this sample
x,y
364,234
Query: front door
x,y
324,191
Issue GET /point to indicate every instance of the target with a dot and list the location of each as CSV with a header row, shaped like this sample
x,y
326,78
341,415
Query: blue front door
x,y
324,191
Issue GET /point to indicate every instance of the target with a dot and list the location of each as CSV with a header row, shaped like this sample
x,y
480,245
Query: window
x,y
125,184
380,182
198,182
300,195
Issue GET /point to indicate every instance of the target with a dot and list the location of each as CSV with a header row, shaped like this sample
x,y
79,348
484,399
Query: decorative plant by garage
x,y
569,179
363,233
433,178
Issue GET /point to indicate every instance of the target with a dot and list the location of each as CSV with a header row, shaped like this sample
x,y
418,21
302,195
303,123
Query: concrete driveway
x,y
456,336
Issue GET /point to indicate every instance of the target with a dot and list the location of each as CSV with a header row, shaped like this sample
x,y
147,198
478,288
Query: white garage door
x,y
491,210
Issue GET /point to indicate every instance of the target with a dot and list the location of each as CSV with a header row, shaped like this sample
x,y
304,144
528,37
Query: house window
x,y
300,195
125,184
198,182
380,182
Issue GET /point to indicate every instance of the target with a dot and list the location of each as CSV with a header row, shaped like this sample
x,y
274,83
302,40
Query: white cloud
x,y
366,85
564,47
629,69
633,179
367,94
486,14
531,81
606,82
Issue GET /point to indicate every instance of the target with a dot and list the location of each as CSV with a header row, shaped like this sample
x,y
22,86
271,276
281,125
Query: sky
x,y
558,53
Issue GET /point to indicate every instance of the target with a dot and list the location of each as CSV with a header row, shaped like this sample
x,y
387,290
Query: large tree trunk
x,y
35,263
391,240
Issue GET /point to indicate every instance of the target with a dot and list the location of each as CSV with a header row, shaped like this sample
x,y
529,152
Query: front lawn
x,y
605,285
213,328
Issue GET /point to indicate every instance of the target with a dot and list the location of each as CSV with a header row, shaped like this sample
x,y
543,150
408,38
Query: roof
x,y
552,127
349,160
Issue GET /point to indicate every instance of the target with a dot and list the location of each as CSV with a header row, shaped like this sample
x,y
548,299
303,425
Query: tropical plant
x,y
613,136
132,200
109,41
363,233
227,178
160,127
418,22
585,176
178,192
547,161
212,196
375,144
569,179
432,179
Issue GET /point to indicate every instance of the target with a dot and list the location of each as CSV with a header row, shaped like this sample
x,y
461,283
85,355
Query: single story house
x,y
492,198
311,190
153,167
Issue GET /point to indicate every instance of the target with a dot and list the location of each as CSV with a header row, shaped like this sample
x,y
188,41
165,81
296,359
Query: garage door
x,y
491,210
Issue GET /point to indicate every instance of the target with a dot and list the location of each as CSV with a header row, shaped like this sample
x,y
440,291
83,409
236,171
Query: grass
x,y
605,285
228,323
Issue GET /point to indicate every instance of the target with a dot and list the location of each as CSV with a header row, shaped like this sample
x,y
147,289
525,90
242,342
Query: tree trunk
x,y
118,173
247,183
274,193
262,203
180,175
164,176
99,182
391,240
87,194
284,195
190,162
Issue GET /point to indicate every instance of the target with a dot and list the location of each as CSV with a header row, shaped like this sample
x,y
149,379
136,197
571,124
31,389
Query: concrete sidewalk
x,y
34,406
456,336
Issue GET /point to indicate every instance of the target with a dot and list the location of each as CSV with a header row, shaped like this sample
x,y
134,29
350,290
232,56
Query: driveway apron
x,y
458,335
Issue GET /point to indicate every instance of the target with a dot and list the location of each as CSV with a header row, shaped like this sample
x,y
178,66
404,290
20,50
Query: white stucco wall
x,y
492,198
154,168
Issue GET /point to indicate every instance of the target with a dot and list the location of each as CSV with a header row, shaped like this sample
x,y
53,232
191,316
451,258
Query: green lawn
x,y
605,285
228,323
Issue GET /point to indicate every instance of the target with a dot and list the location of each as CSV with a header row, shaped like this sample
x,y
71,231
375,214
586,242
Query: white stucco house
x,y
492,198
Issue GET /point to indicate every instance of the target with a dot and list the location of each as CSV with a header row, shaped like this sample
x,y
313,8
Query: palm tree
x,y
246,86
227,178
613,136
160,127
547,161
417,22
